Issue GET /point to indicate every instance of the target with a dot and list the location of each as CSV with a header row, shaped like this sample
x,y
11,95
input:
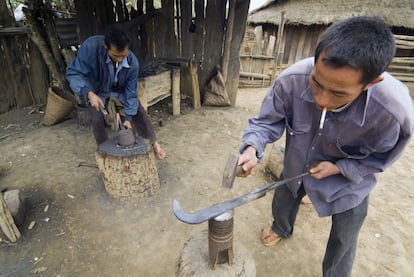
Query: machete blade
x,y
200,216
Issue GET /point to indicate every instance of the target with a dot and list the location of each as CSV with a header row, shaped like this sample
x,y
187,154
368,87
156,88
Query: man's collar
x,y
123,63
362,100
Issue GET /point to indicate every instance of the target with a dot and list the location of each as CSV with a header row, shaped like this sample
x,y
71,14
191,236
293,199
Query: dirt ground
x,y
86,233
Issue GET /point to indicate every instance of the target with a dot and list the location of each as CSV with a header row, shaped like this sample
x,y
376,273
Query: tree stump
x,y
194,260
128,172
7,224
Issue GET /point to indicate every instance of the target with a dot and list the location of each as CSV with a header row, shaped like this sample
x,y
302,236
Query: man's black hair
x,y
115,35
364,43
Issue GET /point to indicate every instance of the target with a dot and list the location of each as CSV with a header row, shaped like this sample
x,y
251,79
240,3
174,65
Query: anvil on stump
x,y
128,172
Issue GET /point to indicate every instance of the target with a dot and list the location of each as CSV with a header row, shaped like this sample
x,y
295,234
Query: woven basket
x,y
59,104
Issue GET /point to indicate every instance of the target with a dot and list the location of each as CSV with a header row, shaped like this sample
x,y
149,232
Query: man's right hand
x,y
248,160
95,100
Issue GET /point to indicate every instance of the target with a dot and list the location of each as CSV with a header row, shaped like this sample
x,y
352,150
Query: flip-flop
x,y
269,238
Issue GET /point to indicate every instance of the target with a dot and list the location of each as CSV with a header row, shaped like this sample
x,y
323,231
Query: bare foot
x,y
158,151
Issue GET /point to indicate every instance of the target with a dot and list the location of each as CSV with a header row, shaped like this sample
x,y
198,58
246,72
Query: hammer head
x,y
231,170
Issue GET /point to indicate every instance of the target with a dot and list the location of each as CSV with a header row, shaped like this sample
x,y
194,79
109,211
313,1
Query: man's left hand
x,y
324,169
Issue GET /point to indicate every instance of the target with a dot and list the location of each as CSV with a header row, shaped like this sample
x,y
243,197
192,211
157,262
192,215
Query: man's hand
x,y
324,169
127,124
248,160
95,100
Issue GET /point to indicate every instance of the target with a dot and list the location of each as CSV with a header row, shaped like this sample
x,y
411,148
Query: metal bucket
x,y
84,121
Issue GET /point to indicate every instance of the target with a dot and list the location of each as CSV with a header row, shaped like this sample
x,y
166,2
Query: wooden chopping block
x,y
128,173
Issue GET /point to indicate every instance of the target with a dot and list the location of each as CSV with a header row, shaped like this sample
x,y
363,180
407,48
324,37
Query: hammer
x,y
231,170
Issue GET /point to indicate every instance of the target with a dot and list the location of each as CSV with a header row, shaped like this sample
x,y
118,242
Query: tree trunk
x,y
53,39
6,19
128,174
56,72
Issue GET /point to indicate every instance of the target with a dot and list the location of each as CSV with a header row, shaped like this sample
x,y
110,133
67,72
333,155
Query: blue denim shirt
x,y
362,140
90,72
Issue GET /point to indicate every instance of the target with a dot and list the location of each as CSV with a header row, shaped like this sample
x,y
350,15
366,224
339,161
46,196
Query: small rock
x,y
31,225
39,270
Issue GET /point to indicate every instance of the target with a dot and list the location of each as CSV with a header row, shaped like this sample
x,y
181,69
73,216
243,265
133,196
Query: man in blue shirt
x,y
104,67
346,120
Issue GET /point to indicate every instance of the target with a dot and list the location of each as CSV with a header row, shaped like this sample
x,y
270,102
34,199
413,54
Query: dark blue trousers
x,y
342,243
140,122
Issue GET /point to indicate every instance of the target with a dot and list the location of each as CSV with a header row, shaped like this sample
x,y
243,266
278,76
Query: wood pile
x,y
402,68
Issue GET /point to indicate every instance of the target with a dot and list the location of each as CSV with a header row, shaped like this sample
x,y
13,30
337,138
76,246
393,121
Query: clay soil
x,y
85,232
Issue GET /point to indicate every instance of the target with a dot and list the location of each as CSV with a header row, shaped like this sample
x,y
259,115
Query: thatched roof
x,y
397,13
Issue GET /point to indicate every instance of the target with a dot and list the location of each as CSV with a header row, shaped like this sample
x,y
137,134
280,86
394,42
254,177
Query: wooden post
x,y
175,90
194,85
278,48
7,224
240,18
142,96
227,41
194,259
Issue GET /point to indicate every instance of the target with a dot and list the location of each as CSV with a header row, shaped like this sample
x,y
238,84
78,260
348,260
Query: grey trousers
x,y
342,243
140,122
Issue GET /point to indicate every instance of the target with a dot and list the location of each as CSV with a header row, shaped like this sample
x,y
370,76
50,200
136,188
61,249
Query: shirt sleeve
x,y
78,71
131,92
390,147
268,125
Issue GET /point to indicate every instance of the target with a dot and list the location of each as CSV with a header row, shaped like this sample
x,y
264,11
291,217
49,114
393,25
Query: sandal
x,y
269,237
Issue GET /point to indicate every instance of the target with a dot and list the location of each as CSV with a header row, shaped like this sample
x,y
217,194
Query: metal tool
x,y
87,165
108,118
220,208
119,121
220,239
231,170
103,110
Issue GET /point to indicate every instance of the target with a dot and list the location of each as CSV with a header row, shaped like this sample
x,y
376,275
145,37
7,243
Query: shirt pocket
x,y
357,151
295,127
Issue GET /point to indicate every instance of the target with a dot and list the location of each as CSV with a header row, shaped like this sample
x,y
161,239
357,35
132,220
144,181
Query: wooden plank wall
x,y
256,57
24,79
300,42
402,67
195,30
180,29
297,43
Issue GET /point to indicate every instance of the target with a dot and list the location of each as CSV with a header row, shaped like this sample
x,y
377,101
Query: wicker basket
x,y
59,104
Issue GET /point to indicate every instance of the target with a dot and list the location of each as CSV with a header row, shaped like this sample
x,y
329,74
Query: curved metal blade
x,y
200,216
214,210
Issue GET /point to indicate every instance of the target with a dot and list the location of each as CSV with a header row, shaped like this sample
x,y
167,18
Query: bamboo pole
x,y
404,37
403,42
